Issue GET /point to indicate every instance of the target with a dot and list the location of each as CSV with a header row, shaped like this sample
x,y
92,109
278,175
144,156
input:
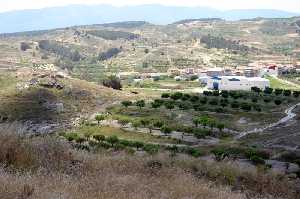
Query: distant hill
x,y
56,17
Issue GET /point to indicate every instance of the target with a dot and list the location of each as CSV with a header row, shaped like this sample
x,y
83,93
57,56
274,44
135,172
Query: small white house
x,y
179,78
271,70
237,83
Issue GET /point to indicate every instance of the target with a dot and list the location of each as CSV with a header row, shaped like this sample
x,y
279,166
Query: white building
x,y
189,71
237,83
271,70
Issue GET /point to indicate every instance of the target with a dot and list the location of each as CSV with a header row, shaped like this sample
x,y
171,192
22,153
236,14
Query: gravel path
x,y
289,115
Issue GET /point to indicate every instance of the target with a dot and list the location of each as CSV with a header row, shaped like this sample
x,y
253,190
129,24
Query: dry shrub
x,y
23,153
14,152
256,183
112,176
47,169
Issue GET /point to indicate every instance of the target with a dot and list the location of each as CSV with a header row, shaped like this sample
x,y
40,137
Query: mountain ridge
x,y
73,15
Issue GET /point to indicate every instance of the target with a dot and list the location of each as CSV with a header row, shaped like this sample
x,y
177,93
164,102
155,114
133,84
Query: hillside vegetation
x,y
89,51
78,174
92,112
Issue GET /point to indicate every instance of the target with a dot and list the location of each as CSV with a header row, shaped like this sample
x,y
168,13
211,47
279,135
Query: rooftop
x,y
240,78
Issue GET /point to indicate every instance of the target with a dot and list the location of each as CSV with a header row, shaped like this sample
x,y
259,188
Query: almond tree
x,y
99,118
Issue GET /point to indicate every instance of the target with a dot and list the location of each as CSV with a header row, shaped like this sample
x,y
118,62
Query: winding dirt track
x,y
289,115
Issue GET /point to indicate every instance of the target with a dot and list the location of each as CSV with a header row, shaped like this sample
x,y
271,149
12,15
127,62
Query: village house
x,y
271,70
189,71
227,72
127,75
174,71
215,72
297,65
251,72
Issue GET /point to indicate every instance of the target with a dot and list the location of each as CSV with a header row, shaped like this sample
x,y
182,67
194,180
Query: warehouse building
x,y
237,83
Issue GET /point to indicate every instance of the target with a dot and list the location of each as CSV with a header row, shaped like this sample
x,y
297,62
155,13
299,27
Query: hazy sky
x,y
288,5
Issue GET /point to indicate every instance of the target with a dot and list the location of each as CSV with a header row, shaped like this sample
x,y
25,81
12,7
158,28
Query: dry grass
x,y
111,177
47,168
22,153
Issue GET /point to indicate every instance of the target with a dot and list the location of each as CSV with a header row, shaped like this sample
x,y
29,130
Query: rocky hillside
x,y
89,52
45,101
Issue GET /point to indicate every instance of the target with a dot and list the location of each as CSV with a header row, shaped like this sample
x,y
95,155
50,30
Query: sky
x,y
286,5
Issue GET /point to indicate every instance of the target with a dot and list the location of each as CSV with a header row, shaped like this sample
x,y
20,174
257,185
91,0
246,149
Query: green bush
x,y
184,106
194,77
224,102
219,110
207,93
287,93
220,126
214,102
277,102
157,103
80,139
126,143
278,91
151,148
198,107
203,100
138,145
234,94
169,105
145,122
257,108
112,140
296,94
136,123
216,93
194,98
246,107
235,104
166,130
112,82
224,94
254,100
193,152
256,89
140,103
124,121
201,133
257,160
268,91
176,96
187,129
127,103
71,136
158,123
99,118
99,138
250,152
267,99
220,153
186,97
165,95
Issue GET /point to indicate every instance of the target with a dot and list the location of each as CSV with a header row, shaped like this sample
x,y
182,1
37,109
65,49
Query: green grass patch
x,y
121,134
281,84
